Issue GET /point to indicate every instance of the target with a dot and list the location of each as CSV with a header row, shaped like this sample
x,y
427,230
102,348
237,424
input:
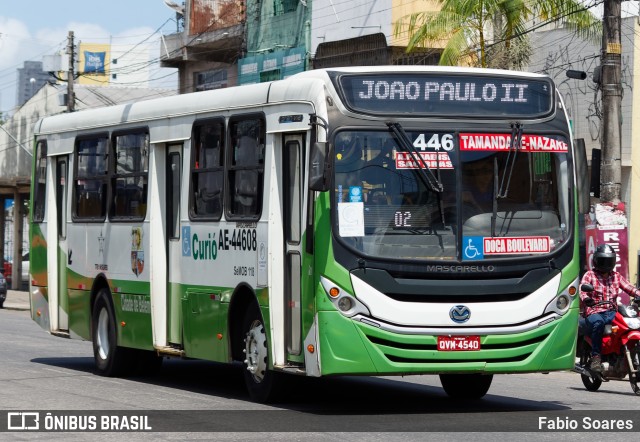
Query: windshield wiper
x,y
424,171
494,214
515,144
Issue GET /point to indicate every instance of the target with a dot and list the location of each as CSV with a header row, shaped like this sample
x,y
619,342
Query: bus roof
x,y
238,97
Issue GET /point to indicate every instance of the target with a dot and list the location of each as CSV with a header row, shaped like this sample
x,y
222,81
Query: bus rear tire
x,y
262,383
466,386
110,359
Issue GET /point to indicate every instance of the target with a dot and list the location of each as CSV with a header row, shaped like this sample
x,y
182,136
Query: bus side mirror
x,y
582,176
320,167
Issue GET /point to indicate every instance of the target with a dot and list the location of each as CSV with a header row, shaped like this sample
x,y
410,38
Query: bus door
x,y
174,245
293,184
58,257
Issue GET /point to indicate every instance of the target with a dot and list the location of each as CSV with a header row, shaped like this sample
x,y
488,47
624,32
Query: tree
x,y
492,33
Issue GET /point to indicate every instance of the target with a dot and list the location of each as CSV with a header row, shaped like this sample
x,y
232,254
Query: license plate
x,y
458,343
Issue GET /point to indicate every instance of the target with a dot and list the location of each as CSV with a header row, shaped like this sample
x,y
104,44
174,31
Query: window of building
x,y
39,191
130,178
207,170
215,79
246,167
270,75
91,176
283,6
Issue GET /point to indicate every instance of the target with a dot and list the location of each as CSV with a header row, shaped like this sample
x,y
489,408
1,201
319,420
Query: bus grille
x,y
426,352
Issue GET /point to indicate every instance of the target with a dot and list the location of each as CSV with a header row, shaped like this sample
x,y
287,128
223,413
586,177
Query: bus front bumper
x,y
350,347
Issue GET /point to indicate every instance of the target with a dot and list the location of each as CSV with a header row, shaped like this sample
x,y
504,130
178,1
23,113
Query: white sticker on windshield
x,y
351,219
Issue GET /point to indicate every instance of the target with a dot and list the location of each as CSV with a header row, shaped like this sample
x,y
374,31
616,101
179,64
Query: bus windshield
x,y
495,199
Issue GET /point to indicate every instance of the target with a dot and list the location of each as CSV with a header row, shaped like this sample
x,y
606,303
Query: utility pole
x,y
71,99
611,168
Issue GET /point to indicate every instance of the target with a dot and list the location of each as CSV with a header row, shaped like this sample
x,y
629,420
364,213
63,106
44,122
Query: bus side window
x,y
39,188
246,170
207,170
90,199
91,178
129,188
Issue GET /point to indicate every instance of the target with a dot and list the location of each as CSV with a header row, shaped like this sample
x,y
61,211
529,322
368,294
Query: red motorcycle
x,y
620,348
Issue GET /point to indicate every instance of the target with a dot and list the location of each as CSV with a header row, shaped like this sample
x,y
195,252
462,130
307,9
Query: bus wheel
x,y
466,386
261,382
110,359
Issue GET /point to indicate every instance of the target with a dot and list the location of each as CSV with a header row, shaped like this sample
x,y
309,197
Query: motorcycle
x,y
620,348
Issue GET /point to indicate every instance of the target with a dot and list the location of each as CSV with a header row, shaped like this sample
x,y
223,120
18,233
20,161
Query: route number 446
x,y
435,142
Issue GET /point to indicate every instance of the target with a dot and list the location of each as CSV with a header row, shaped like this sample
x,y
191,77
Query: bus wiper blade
x,y
494,214
514,146
424,171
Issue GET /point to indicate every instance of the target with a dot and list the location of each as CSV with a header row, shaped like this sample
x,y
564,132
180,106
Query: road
x,y
42,372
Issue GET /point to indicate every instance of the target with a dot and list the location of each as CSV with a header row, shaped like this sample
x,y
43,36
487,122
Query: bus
x,y
366,221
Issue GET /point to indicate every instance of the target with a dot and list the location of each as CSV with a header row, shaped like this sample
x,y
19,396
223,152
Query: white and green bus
x,y
348,221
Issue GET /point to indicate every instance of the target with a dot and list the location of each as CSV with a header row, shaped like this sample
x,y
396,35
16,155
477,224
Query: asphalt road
x,y
197,400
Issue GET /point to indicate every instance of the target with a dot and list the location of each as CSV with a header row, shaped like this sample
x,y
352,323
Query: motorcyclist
x,y
607,284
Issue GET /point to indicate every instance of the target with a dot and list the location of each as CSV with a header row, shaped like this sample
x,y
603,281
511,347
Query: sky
x,y
30,29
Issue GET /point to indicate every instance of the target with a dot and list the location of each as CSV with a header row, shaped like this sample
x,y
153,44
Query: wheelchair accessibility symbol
x,y
186,241
473,248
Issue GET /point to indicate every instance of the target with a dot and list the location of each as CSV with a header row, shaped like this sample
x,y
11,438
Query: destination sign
x,y
502,142
447,95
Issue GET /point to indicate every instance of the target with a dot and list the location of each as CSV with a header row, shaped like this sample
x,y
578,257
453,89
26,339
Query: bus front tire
x,y
466,386
262,383
110,359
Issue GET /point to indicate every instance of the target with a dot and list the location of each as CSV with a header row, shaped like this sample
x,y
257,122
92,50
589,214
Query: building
x,y
207,50
31,78
113,65
362,32
277,36
560,50
230,42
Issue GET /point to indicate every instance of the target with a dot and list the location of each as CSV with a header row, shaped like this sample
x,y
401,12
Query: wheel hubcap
x,y
102,334
256,351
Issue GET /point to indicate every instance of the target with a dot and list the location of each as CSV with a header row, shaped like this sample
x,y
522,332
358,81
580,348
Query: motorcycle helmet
x,y
604,258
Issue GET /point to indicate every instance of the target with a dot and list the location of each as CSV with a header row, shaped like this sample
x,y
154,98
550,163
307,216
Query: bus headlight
x,y
561,303
344,302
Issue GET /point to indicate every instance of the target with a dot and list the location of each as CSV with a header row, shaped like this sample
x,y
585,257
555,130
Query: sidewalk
x,y
17,300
